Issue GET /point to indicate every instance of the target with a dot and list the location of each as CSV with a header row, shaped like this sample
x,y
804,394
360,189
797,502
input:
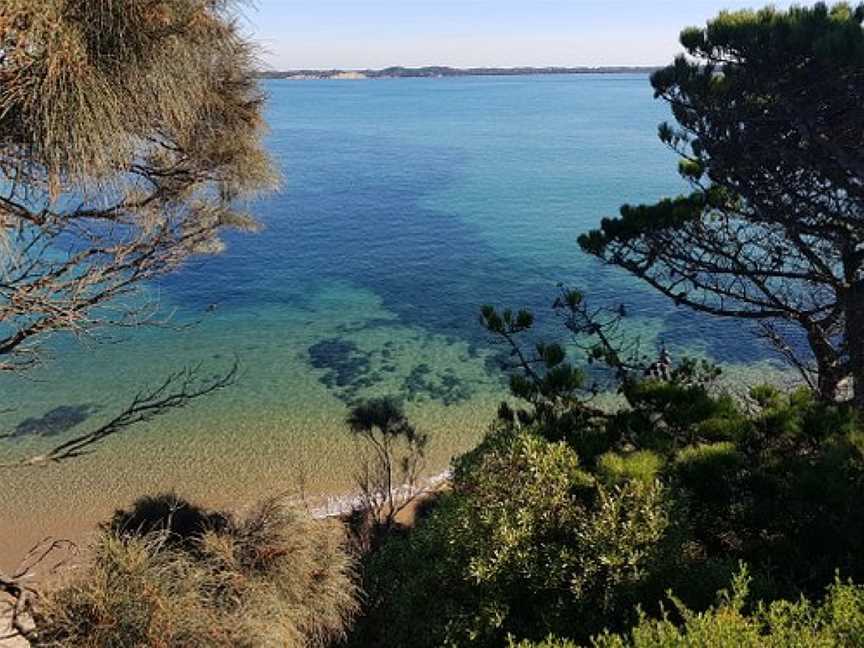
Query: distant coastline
x,y
443,71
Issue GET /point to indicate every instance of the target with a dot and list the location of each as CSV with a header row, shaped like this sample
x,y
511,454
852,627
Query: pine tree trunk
x,y
828,386
855,340
829,373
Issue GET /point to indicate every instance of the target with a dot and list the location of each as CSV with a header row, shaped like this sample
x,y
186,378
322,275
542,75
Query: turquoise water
x,y
406,205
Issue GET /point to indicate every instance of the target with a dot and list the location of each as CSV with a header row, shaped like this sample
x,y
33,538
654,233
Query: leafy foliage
x,y
838,621
527,541
566,520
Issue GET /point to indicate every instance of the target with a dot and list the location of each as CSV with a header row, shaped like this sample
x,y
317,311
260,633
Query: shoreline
x,y
323,507
232,466
80,527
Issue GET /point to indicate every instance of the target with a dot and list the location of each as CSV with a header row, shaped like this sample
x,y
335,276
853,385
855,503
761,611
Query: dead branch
x,y
177,391
17,588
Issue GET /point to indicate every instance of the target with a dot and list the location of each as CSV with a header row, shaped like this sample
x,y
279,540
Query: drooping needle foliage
x,y
128,131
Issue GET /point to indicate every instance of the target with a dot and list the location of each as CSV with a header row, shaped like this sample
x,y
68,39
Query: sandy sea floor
x,y
240,462
235,460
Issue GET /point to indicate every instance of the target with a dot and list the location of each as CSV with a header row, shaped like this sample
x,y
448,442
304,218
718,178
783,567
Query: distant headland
x,y
443,71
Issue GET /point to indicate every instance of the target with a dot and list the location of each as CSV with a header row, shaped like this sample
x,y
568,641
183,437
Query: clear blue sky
x,y
378,33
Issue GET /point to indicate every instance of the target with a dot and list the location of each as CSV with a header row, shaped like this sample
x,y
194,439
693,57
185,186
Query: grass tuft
x,y
272,578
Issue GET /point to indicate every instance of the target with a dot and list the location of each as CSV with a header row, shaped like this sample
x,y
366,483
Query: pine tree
x,y
770,132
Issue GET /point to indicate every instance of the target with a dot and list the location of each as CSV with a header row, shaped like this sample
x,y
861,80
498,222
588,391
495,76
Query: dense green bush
x,y
771,479
535,539
838,621
273,578
527,541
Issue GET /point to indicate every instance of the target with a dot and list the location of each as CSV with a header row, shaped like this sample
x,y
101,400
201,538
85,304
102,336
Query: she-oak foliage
x,y
770,131
128,130
273,577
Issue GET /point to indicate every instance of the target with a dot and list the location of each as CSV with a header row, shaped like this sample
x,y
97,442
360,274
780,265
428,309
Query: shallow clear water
x,y
406,205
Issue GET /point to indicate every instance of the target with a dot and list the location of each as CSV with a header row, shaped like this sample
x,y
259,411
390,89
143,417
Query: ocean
x,y
406,204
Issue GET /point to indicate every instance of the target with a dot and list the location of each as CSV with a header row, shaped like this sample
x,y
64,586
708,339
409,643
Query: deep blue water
x,y
441,195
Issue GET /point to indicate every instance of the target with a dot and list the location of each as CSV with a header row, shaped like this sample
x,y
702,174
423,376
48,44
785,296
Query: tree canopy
x,y
769,107
571,521
128,130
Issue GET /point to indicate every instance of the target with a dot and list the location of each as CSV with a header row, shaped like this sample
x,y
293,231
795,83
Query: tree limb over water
x,y
769,118
128,133
176,391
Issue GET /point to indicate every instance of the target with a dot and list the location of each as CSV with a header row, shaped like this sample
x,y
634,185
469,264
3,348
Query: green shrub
x,y
273,578
534,541
708,469
664,416
643,466
415,585
551,642
837,622
528,542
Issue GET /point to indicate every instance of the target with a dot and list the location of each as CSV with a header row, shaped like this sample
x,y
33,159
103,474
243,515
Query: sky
x,y
358,34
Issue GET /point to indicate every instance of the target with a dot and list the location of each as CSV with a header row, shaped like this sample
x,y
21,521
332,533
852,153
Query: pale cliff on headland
x,y
306,75
440,71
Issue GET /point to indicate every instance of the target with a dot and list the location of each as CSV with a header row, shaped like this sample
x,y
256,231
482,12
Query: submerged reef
x,y
349,371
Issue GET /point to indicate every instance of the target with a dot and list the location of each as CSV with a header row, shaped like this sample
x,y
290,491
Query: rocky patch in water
x,y
350,372
55,422
423,383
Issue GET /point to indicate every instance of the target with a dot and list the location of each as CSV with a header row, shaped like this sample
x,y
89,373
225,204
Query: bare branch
x,y
17,589
177,391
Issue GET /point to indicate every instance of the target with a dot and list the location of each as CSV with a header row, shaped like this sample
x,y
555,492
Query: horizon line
x,y
274,68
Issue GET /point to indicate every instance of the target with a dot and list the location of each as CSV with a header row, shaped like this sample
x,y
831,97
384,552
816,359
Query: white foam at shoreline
x,y
332,506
